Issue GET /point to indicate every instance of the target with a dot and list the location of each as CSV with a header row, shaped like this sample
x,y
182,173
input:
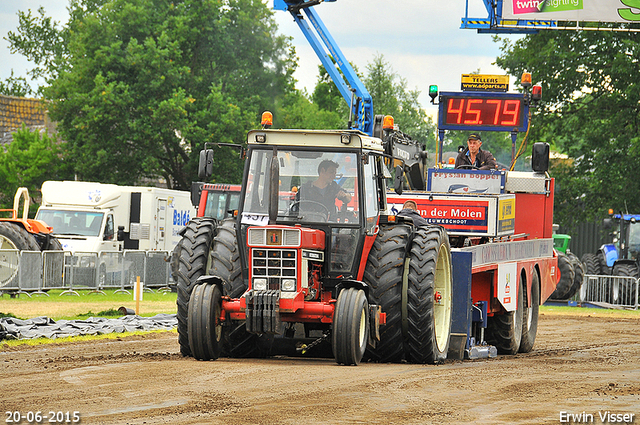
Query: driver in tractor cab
x,y
474,157
324,189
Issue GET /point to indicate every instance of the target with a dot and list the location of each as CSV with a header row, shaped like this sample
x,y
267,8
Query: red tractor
x,y
345,272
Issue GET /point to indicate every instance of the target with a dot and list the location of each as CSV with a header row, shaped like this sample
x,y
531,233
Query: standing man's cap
x,y
474,136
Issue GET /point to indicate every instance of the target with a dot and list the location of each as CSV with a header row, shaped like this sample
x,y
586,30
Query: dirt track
x,y
579,365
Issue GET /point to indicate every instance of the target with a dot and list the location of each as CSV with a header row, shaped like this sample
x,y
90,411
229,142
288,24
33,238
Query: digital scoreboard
x,y
480,111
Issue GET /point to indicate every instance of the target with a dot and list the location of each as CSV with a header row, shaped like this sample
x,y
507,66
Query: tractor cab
x,y
320,191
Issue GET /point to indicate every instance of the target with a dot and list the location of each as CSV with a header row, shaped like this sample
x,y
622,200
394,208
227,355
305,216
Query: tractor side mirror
x,y
607,223
205,165
399,179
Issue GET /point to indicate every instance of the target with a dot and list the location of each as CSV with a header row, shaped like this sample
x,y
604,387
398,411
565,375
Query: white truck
x,y
95,217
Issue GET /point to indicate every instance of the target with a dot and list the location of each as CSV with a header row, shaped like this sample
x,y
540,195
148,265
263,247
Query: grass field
x,y
57,306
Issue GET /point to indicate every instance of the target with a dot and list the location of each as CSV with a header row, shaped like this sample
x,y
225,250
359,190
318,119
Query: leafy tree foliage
x,y
392,97
591,112
15,86
28,161
43,42
138,86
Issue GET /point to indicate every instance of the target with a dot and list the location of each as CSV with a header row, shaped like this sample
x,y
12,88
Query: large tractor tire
x,y
530,315
192,254
429,297
204,326
350,327
383,274
567,275
225,263
591,264
579,272
13,236
504,331
602,263
627,290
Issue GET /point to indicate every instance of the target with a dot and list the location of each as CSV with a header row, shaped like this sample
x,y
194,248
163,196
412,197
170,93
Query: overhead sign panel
x,y
573,10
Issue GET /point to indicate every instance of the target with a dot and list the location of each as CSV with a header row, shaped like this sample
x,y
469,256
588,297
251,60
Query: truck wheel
x,y
567,275
591,264
225,263
578,269
505,330
429,296
627,289
193,256
12,236
204,327
383,274
530,315
350,326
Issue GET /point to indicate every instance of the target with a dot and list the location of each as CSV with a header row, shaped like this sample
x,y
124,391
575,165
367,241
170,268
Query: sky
x,y
420,39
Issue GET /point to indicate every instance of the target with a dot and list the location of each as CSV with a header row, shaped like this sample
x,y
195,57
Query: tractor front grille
x,y
274,264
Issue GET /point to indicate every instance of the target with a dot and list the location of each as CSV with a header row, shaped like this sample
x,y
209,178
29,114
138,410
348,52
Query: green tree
x,y
42,41
28,161
392,97
139,86
591,112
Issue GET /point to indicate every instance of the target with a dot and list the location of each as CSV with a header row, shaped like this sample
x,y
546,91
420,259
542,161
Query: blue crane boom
x,y
351,88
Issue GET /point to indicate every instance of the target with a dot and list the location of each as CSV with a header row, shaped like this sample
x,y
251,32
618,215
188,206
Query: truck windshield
x,y
314,187
72,223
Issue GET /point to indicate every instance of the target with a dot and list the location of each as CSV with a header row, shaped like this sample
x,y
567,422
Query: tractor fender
x,y
610,254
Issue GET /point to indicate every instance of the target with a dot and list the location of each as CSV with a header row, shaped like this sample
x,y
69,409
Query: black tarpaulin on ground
x,y
43,327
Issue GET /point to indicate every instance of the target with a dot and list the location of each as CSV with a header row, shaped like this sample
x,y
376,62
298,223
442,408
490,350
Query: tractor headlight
x,y
288,285
260,284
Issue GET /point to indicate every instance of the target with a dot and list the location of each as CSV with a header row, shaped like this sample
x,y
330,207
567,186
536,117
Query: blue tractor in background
x,y
621,256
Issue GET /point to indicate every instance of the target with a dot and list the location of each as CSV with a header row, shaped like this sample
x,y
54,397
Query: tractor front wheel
x,y
350,326
204,325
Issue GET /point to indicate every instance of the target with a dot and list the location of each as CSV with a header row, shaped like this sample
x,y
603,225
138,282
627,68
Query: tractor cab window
x,y
314,187
634,240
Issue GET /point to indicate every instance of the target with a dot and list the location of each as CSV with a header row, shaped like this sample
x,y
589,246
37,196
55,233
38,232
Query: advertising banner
x,y
573,10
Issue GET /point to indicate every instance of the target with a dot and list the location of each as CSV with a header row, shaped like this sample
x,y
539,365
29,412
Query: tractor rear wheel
x,y
591,264
350,326
567,275
530,315
204,326
12,236
384,274
429,296
627,289
505,330
192,256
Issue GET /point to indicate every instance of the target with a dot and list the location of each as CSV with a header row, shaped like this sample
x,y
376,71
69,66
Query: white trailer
x,y
95,217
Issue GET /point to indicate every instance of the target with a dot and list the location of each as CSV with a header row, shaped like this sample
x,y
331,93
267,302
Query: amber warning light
x,y
267,119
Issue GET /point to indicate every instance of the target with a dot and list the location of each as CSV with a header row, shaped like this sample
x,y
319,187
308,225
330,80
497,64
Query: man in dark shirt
x,y
324,190
473,156
410,210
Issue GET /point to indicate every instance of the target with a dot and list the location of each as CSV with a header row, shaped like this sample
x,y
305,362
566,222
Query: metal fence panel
x,y
9,267
30,270
110,271
53,269
619,291
134,263
157,270
80,270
